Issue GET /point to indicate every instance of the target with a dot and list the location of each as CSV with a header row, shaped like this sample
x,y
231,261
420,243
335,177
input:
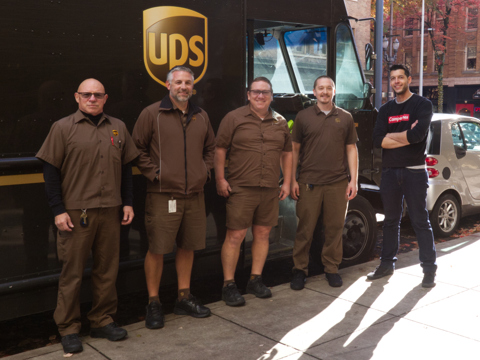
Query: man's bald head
x,y
91,96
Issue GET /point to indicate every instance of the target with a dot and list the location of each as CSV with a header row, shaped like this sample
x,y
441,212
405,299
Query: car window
x,y
471,134
457,136
434,137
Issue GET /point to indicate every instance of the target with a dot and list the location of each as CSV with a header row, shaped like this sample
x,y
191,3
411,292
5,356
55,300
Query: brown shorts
x,y
187,226
249,205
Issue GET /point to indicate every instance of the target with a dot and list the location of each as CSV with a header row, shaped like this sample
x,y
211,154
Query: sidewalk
x,y
390,318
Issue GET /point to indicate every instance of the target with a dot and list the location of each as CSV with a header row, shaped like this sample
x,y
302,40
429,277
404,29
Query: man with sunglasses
x,y
88,181
259,142
177,144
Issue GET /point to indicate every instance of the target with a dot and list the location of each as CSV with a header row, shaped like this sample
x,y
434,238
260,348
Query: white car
x,y
453,164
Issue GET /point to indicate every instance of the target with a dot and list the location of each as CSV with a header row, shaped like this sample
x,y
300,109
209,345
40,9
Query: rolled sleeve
x,y
53,148
225,132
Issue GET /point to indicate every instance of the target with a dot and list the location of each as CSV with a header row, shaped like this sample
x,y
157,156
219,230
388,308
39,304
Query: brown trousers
x,y
102,239
309,208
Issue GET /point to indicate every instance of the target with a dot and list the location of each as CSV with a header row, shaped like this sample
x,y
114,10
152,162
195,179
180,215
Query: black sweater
x,y
394,118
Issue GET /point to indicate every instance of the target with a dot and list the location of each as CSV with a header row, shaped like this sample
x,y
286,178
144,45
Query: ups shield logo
x,y
174,36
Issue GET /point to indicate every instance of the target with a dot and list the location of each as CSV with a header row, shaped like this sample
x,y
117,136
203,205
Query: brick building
x,y
461,73
361,30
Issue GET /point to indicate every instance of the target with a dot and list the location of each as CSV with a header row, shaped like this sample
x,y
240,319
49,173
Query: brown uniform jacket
x,y
255,146
182,157
90,159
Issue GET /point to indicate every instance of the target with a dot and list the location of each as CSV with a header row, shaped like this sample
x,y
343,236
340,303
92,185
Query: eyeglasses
x,y
88,95
258,92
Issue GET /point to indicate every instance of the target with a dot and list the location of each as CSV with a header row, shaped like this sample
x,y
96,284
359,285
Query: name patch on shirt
x,y
399,118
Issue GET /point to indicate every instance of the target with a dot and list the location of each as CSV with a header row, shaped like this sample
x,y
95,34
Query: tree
x,y
442,17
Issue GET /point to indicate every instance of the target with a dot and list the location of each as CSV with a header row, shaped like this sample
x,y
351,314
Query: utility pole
x,y
378,51
390,48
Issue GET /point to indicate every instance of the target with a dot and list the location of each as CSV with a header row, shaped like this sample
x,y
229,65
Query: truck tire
x,y
445,216
359,234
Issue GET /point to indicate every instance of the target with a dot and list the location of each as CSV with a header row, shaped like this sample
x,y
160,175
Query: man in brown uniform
x,y
177,145
259,140
88,176
324,138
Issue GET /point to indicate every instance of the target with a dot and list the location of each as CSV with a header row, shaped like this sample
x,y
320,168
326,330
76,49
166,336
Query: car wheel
x,y
359,234
445,215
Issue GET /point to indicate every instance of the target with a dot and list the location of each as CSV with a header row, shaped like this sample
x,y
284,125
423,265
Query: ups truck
x,y
50,46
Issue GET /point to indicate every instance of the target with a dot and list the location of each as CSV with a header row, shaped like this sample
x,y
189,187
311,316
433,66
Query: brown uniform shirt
x,y
182,157
323,140
90,159
255,146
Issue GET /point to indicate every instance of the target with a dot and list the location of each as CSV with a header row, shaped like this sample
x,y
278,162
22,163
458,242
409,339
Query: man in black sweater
x,y
401,131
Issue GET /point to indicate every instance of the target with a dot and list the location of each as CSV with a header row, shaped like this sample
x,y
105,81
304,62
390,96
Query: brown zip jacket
x,y
182,157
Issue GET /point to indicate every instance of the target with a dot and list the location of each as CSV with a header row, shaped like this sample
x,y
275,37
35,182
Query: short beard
x,y
176,97
403,91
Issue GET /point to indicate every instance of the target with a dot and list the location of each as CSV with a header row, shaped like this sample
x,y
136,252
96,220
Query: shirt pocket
x,y
82,152
274,138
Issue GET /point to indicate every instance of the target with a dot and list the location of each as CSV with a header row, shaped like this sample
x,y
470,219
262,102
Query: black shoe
x,y
380,271
257,288
191,306
232,296
111,332
71,344
298,281
334,280
154,318
428,280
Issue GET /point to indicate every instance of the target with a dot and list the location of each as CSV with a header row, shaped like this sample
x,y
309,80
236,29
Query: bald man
x,y
88,181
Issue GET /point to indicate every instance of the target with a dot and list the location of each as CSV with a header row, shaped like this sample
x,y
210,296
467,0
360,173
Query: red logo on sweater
x,y
399,118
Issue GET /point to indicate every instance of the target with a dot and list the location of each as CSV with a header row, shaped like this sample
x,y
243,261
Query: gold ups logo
x,y
174,36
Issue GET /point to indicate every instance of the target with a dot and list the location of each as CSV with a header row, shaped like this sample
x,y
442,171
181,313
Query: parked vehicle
x,y
453,164
49,47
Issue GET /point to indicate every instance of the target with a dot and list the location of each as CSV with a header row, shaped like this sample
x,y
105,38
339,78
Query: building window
x,y
409,24
471,58
408,60
424,59
472,18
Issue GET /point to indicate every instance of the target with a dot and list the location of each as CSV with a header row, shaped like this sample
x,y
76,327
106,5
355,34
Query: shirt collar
x,y
78,116
334,110
246,111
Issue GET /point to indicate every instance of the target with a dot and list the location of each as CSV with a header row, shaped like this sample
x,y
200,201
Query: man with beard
x,y
88,181
259,141
324,142
401,131
177,145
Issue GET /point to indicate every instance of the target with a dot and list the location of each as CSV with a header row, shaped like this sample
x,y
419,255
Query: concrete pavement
x,y
389,318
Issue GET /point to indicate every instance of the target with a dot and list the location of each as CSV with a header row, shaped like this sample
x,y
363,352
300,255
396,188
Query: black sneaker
x,y
298,281
191,306
257,288
380,271
334,280
428,280
111,332
71,344
154,318
232,296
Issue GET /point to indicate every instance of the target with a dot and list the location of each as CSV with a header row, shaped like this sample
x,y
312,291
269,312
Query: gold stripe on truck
x,y
8,180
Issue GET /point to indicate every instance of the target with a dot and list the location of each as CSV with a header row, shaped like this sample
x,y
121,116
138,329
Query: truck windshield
x,y
349,79
268,62
307,50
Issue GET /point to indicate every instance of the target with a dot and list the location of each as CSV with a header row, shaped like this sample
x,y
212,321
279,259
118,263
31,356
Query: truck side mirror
x,y
368,56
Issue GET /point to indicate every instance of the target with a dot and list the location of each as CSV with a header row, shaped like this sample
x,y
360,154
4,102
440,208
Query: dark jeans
x,y
412,184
